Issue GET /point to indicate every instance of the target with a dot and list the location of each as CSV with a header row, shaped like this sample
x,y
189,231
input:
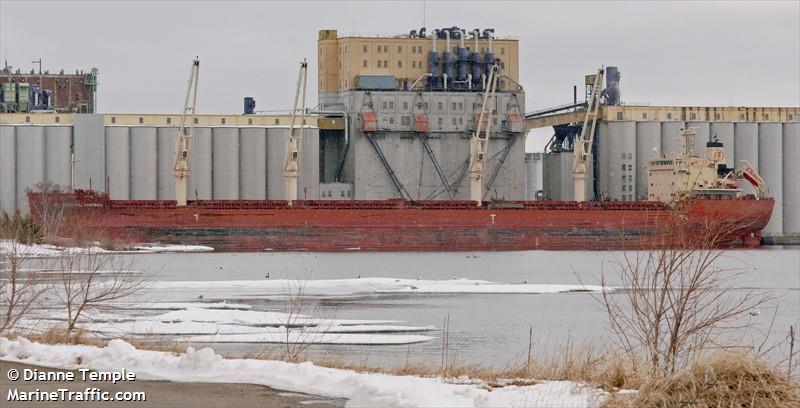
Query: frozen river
x,y
484,328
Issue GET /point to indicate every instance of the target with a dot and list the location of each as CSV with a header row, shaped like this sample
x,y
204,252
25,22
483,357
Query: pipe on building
x,y
414,84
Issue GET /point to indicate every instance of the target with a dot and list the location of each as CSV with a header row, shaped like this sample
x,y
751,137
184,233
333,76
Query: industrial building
x,y
411,104
44,91
395,119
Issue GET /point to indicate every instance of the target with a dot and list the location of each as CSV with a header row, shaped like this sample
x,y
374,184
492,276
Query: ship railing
x,y
142,204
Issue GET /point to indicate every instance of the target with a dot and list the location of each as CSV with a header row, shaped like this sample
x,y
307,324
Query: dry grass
x,y
725,380
59,335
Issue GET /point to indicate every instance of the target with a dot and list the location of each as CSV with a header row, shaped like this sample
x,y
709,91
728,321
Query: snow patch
x,y
360,389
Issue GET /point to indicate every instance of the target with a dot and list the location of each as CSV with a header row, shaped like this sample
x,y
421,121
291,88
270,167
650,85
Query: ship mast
x,y
183,142
479,147
291,167
582,147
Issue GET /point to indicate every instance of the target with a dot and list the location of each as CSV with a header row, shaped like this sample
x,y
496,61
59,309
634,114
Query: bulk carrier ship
x,y
690,197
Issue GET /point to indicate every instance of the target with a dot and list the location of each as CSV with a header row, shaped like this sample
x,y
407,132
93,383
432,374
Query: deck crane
x,y
582,147
291,166
479,147
183,142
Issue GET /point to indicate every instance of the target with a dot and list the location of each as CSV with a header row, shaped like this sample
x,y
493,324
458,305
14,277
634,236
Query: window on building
x,y
385,48
453,121
717,116
669,115
58,119
765,116
461,106
249,121
385,105
365,63
405,120
391,120
413,64
277,121
379,49
623,168
399,49
365,48
441,107
741,116
644,115
441,121
405,105
169,121
502,51
113,119
399,64
141,119
454,106
391,104
222,121
693,116
460,121
385,64
619,115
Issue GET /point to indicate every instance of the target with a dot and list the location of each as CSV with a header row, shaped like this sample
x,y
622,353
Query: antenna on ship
x,y
183,142
292,165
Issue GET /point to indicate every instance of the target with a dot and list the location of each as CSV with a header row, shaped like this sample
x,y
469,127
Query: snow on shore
x,y
360,389
44,250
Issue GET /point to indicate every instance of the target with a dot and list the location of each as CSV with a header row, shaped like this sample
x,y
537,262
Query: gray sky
x,y
669,52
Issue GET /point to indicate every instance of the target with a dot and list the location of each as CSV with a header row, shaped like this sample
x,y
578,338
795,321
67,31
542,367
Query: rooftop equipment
x,y
249,105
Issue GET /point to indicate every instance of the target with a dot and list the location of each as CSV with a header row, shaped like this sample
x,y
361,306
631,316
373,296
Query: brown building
x,y
343,59
70,92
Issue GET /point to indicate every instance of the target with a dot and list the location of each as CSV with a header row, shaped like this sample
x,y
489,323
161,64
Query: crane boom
x,y
291,166
582,148
183,142
479,147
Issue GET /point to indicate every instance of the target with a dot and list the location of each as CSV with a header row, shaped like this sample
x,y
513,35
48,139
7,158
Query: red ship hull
x,y
396,225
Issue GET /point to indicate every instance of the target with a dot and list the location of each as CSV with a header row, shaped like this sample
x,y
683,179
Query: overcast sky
x,y
669,52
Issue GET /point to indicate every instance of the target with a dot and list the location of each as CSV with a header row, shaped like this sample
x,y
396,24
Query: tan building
x,y
343,59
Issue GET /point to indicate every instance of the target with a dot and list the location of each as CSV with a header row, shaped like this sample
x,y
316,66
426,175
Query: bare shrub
x,y
20,228
303,320
90,279
675,300
20,288
48,207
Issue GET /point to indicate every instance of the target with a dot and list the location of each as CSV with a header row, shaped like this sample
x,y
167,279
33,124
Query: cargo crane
x,y
582,149
183,142
291,167
479,148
